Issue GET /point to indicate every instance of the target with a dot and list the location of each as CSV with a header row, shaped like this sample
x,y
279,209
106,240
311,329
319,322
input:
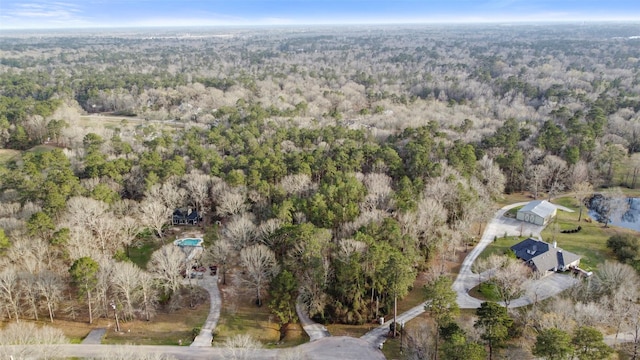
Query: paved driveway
x,y
95,336
209,283
314,330
499,226
536,290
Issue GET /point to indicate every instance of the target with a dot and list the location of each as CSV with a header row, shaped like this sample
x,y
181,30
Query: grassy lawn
x,y
590,242
485,291
73,330
391,348
240,315
107,121
569,202
164,329
141,255
7,155
499,246
513,212
41,148
507,199
351,330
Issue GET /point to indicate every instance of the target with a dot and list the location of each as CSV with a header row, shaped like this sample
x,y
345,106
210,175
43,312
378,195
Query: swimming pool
x,y
188,242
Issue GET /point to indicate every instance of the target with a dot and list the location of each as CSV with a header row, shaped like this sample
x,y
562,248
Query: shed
x,y
537,212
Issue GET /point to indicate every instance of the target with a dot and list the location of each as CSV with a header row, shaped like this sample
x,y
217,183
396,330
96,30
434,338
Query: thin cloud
x,y
15,14
42,14
46,10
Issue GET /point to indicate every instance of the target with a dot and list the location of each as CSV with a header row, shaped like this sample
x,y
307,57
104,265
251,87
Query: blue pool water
x,y
190,242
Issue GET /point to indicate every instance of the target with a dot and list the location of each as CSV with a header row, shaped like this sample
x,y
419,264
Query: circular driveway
x,y
500,225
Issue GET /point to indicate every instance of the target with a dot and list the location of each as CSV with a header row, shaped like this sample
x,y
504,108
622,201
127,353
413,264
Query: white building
x,y
537,212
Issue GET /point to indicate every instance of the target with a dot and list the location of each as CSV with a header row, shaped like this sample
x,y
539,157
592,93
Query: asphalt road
x,y
323,346
329,348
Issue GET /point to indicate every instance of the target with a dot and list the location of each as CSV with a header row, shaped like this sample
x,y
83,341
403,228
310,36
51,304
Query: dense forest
x,y
345,160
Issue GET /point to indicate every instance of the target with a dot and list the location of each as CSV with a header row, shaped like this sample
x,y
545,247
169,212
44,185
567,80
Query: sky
x,y
40,14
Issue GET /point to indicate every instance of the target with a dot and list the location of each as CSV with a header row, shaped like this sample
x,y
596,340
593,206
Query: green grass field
x,y
513,212
7,155
241,316
41,148
164,329
142,254
500,246
507,199
590,242
485,291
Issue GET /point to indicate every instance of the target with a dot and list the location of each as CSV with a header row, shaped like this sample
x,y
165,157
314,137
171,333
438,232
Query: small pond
x,y
630,219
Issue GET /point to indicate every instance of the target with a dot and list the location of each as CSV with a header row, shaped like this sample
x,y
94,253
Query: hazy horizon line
x,y
321,24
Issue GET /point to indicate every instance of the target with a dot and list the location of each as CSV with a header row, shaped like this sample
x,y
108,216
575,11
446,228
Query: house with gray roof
x,y
538,212
545,258
185,217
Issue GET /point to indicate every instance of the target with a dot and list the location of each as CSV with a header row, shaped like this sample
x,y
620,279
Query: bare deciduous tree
x,y
296,184
29,292
267,228
219,252
126,279
261,266
129,230
556,175
10,292
582,191
168,193
231,202
107,232
578,173
240,230
166,263
617,285
491,176
83,211
241,347
536,175
379,192
50,287
197,188
17,342
510,279
559,315
420,342
148,295
632,325
155,214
